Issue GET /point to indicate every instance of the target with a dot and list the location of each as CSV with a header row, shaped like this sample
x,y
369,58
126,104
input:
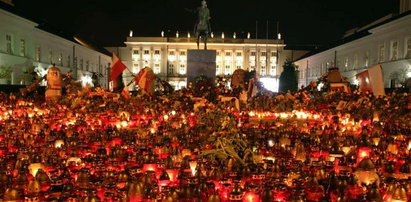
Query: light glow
x,y
320,86
270,84
86,81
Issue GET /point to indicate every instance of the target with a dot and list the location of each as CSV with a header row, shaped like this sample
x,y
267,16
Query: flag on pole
x,y
371,80
125,93
117,67
145,79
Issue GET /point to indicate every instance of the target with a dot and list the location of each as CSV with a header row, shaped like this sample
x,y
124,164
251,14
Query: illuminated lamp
x,y
58,143
33,187
366,173
251,197
400,194
285,141
363,153
186,152
149,167
74,160
346,149
34,167
172,174
164,179
376,140
392,148
43,179
193,166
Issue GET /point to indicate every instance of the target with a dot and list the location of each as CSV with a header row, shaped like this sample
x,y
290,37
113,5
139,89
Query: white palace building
x,y
167,56
385,42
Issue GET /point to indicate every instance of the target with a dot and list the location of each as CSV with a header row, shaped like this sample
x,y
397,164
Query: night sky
x,y
107,23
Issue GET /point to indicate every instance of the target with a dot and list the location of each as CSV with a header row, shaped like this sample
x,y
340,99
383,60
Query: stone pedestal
x,y
201,63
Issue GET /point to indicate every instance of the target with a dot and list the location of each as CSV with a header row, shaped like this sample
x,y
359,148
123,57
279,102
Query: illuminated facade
x,y
167,56
386,42
25,46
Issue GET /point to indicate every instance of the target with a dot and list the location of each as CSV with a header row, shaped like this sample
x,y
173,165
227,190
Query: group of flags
x,y
369,80
143,78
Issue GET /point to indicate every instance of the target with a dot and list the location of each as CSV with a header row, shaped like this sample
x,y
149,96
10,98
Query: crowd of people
x,y
92,145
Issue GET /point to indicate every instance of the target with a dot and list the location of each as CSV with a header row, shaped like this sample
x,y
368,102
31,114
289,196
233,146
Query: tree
x,y
288,78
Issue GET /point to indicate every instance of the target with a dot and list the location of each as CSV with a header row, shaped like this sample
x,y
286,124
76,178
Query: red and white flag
x,y
145,79
117,67
371,80
125,93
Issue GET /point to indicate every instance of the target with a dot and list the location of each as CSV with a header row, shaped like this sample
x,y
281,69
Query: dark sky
x,y
107,23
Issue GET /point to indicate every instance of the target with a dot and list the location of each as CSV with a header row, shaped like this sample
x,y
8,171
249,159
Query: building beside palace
x,y
25,44
167,56
385,42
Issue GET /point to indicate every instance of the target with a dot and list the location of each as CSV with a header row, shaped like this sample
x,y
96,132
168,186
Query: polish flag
x,y
371,80
145,79
125,93
117,67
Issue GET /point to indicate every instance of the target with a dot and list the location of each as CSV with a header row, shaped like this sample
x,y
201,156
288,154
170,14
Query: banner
x,y
372,80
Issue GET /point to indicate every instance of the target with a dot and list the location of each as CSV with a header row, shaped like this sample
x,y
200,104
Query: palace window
x,y
60,59
68,61
182,69
171,68
346,64
87,65
81,64
22,47
157,69
408,47
136,55
75,62
366,59
171,56
394,50
273,71
227,70
381,53
355,65
38,54
263,71
9,43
